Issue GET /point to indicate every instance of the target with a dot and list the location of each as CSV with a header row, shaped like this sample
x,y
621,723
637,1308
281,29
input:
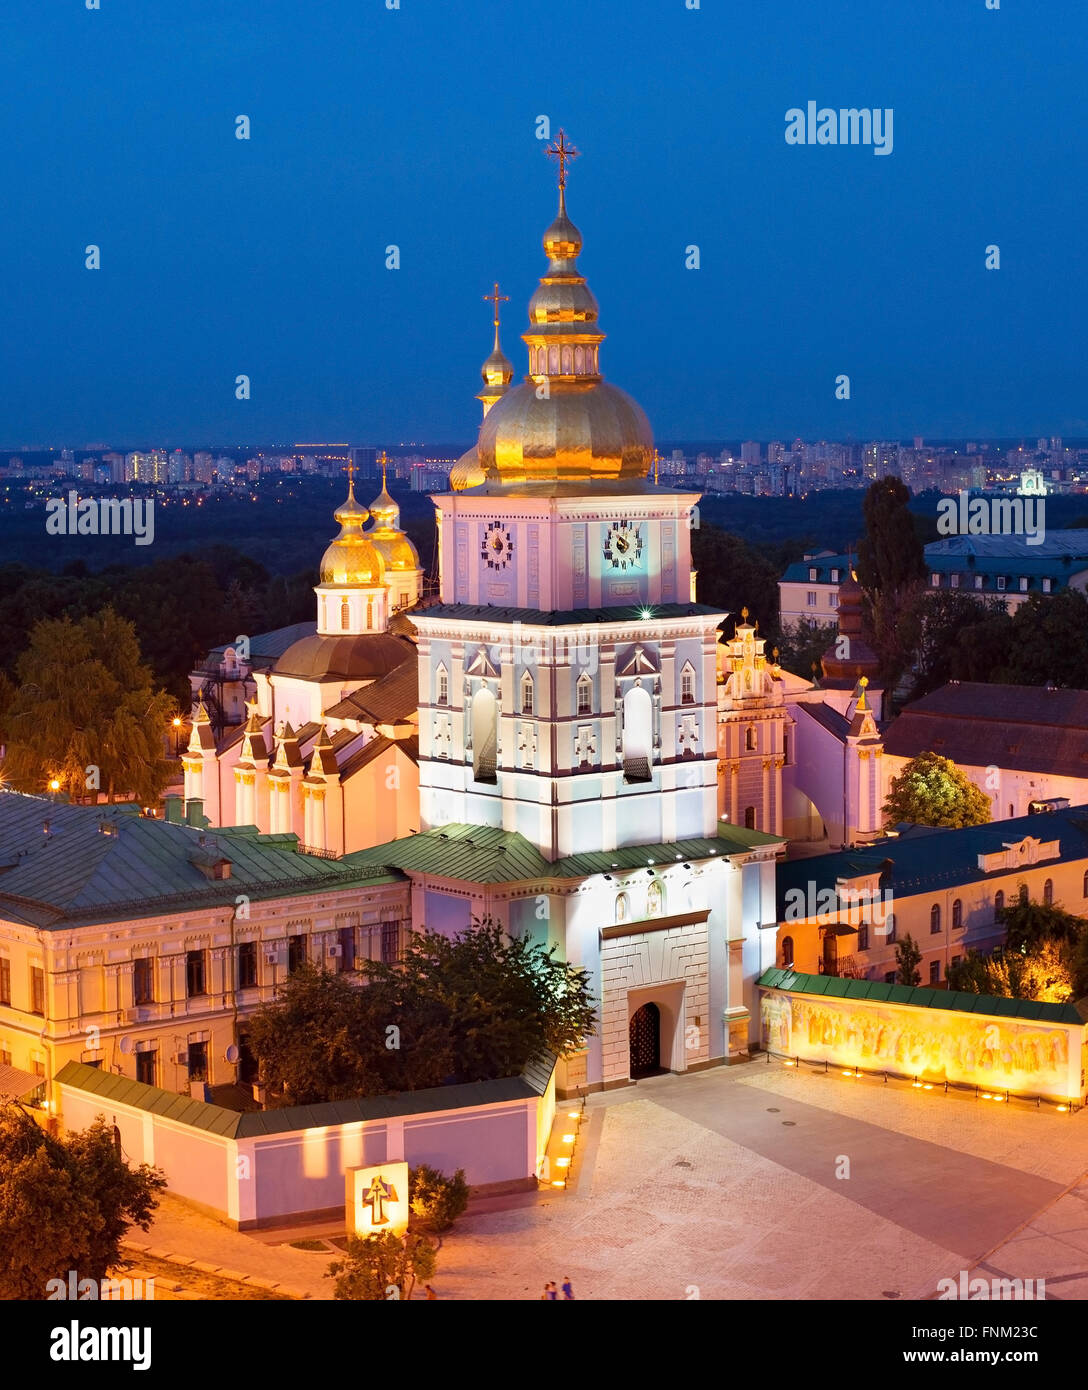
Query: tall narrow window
x,y
198,1061
750,739
655,899
1023,895
1048,892
638,720
585,698
247,965
787,952
143,988
145,1066
5,967
687,686
37,990
485,735
296,953
934,919
194,974
957,913
390,942
443,687
345,614
749,817
999,899
526,694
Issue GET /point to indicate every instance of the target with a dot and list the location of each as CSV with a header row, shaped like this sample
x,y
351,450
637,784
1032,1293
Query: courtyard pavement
x,y
752,1182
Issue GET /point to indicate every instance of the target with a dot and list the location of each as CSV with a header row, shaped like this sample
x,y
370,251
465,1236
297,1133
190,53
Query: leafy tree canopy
x,y
932,790
85,700
381,1267
65,1204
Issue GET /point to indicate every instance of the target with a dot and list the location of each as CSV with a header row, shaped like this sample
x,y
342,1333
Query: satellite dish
x,y
126,1044
232,1053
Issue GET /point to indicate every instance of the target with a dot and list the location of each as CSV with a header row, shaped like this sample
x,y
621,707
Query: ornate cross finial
x,y
564,153
351,475
495,297
383,459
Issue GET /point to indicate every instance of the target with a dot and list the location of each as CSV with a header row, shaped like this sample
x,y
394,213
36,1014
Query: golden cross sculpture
x,y
383,459
564,153
495,297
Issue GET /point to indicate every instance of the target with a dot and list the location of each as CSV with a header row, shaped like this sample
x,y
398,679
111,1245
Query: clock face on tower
x,y
497,546
623,545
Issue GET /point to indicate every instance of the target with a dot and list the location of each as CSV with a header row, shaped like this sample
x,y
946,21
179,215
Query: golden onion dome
x,y
579,431
497,370
564,424
466,472
384,510
351,559
397,551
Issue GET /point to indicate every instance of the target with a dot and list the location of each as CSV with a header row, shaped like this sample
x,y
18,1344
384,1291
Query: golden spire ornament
x,y
563,153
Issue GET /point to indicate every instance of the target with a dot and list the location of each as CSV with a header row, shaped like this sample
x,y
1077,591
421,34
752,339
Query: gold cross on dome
x,y
495,297
564,153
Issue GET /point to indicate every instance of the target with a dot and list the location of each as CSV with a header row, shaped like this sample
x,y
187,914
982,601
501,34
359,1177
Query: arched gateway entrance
x,y
645,1031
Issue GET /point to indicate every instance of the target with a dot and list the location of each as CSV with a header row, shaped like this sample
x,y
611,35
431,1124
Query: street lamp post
x,y
177,735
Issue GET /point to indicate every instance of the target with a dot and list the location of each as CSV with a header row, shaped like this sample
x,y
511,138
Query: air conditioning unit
x,y
272,958
182,1059
335,951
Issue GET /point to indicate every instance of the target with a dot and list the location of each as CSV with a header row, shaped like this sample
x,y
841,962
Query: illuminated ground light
x,y
562,1162
928,1086
916,1085
999,1099
573,1115
568,1138
986,1095
789,1064
559,1182
1062,1109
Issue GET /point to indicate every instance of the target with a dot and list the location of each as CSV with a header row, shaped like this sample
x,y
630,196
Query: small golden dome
x,y
396,550
498,370
351,559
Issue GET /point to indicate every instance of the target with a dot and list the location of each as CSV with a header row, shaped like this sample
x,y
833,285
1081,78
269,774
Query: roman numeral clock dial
x,y
623,545
497,546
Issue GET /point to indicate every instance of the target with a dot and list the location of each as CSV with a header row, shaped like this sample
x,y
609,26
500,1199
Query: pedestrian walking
x,y
568,1290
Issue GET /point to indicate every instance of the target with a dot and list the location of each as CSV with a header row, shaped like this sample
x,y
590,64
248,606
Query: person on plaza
x,y
568,1290
430,1292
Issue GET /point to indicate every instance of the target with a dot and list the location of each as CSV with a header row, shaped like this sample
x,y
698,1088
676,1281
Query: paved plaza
x,y
756,1182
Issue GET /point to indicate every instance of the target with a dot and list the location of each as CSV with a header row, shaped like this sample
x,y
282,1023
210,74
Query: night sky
x,y
417,127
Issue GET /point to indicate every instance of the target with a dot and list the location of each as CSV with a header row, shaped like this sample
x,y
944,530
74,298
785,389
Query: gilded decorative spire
x,y
386,535
498,370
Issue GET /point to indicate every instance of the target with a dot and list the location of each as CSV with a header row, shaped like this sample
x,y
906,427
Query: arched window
x,y
999,898
787,952
750,739
1048,892
553,361
623,907
485,735
579,360
638,724
1023,895
1084,885
567,360
786,746
585,697
889,925
749,817
526,694
655,899
369,614
957,913
443,686
1012,810
687,685
345,614
934,919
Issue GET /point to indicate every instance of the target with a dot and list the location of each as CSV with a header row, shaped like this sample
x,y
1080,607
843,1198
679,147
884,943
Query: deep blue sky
x,y
416,126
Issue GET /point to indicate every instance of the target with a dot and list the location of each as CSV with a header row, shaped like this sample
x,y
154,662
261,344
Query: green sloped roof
x,y
921,996
73,873
486,854
214,1119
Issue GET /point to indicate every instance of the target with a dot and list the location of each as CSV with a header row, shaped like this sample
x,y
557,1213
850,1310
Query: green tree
x,y
312,1041
733,576
85,699
942,616
931,790
907,959
381,1267
1028,924
801,645
65,1204
1043,971
890,570
437,1200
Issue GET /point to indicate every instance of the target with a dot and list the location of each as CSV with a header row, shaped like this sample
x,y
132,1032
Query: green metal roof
x,y
251,1124
58,869
486,854
921,996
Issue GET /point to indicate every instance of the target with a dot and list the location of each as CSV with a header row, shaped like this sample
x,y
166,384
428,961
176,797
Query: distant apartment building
x,y
203,468
808,592
749,452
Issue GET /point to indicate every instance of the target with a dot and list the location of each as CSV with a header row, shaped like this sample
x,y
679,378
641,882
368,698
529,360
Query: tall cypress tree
x,y
891,569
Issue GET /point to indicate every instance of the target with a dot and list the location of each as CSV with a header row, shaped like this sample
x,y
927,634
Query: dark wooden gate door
x,y
645,1040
